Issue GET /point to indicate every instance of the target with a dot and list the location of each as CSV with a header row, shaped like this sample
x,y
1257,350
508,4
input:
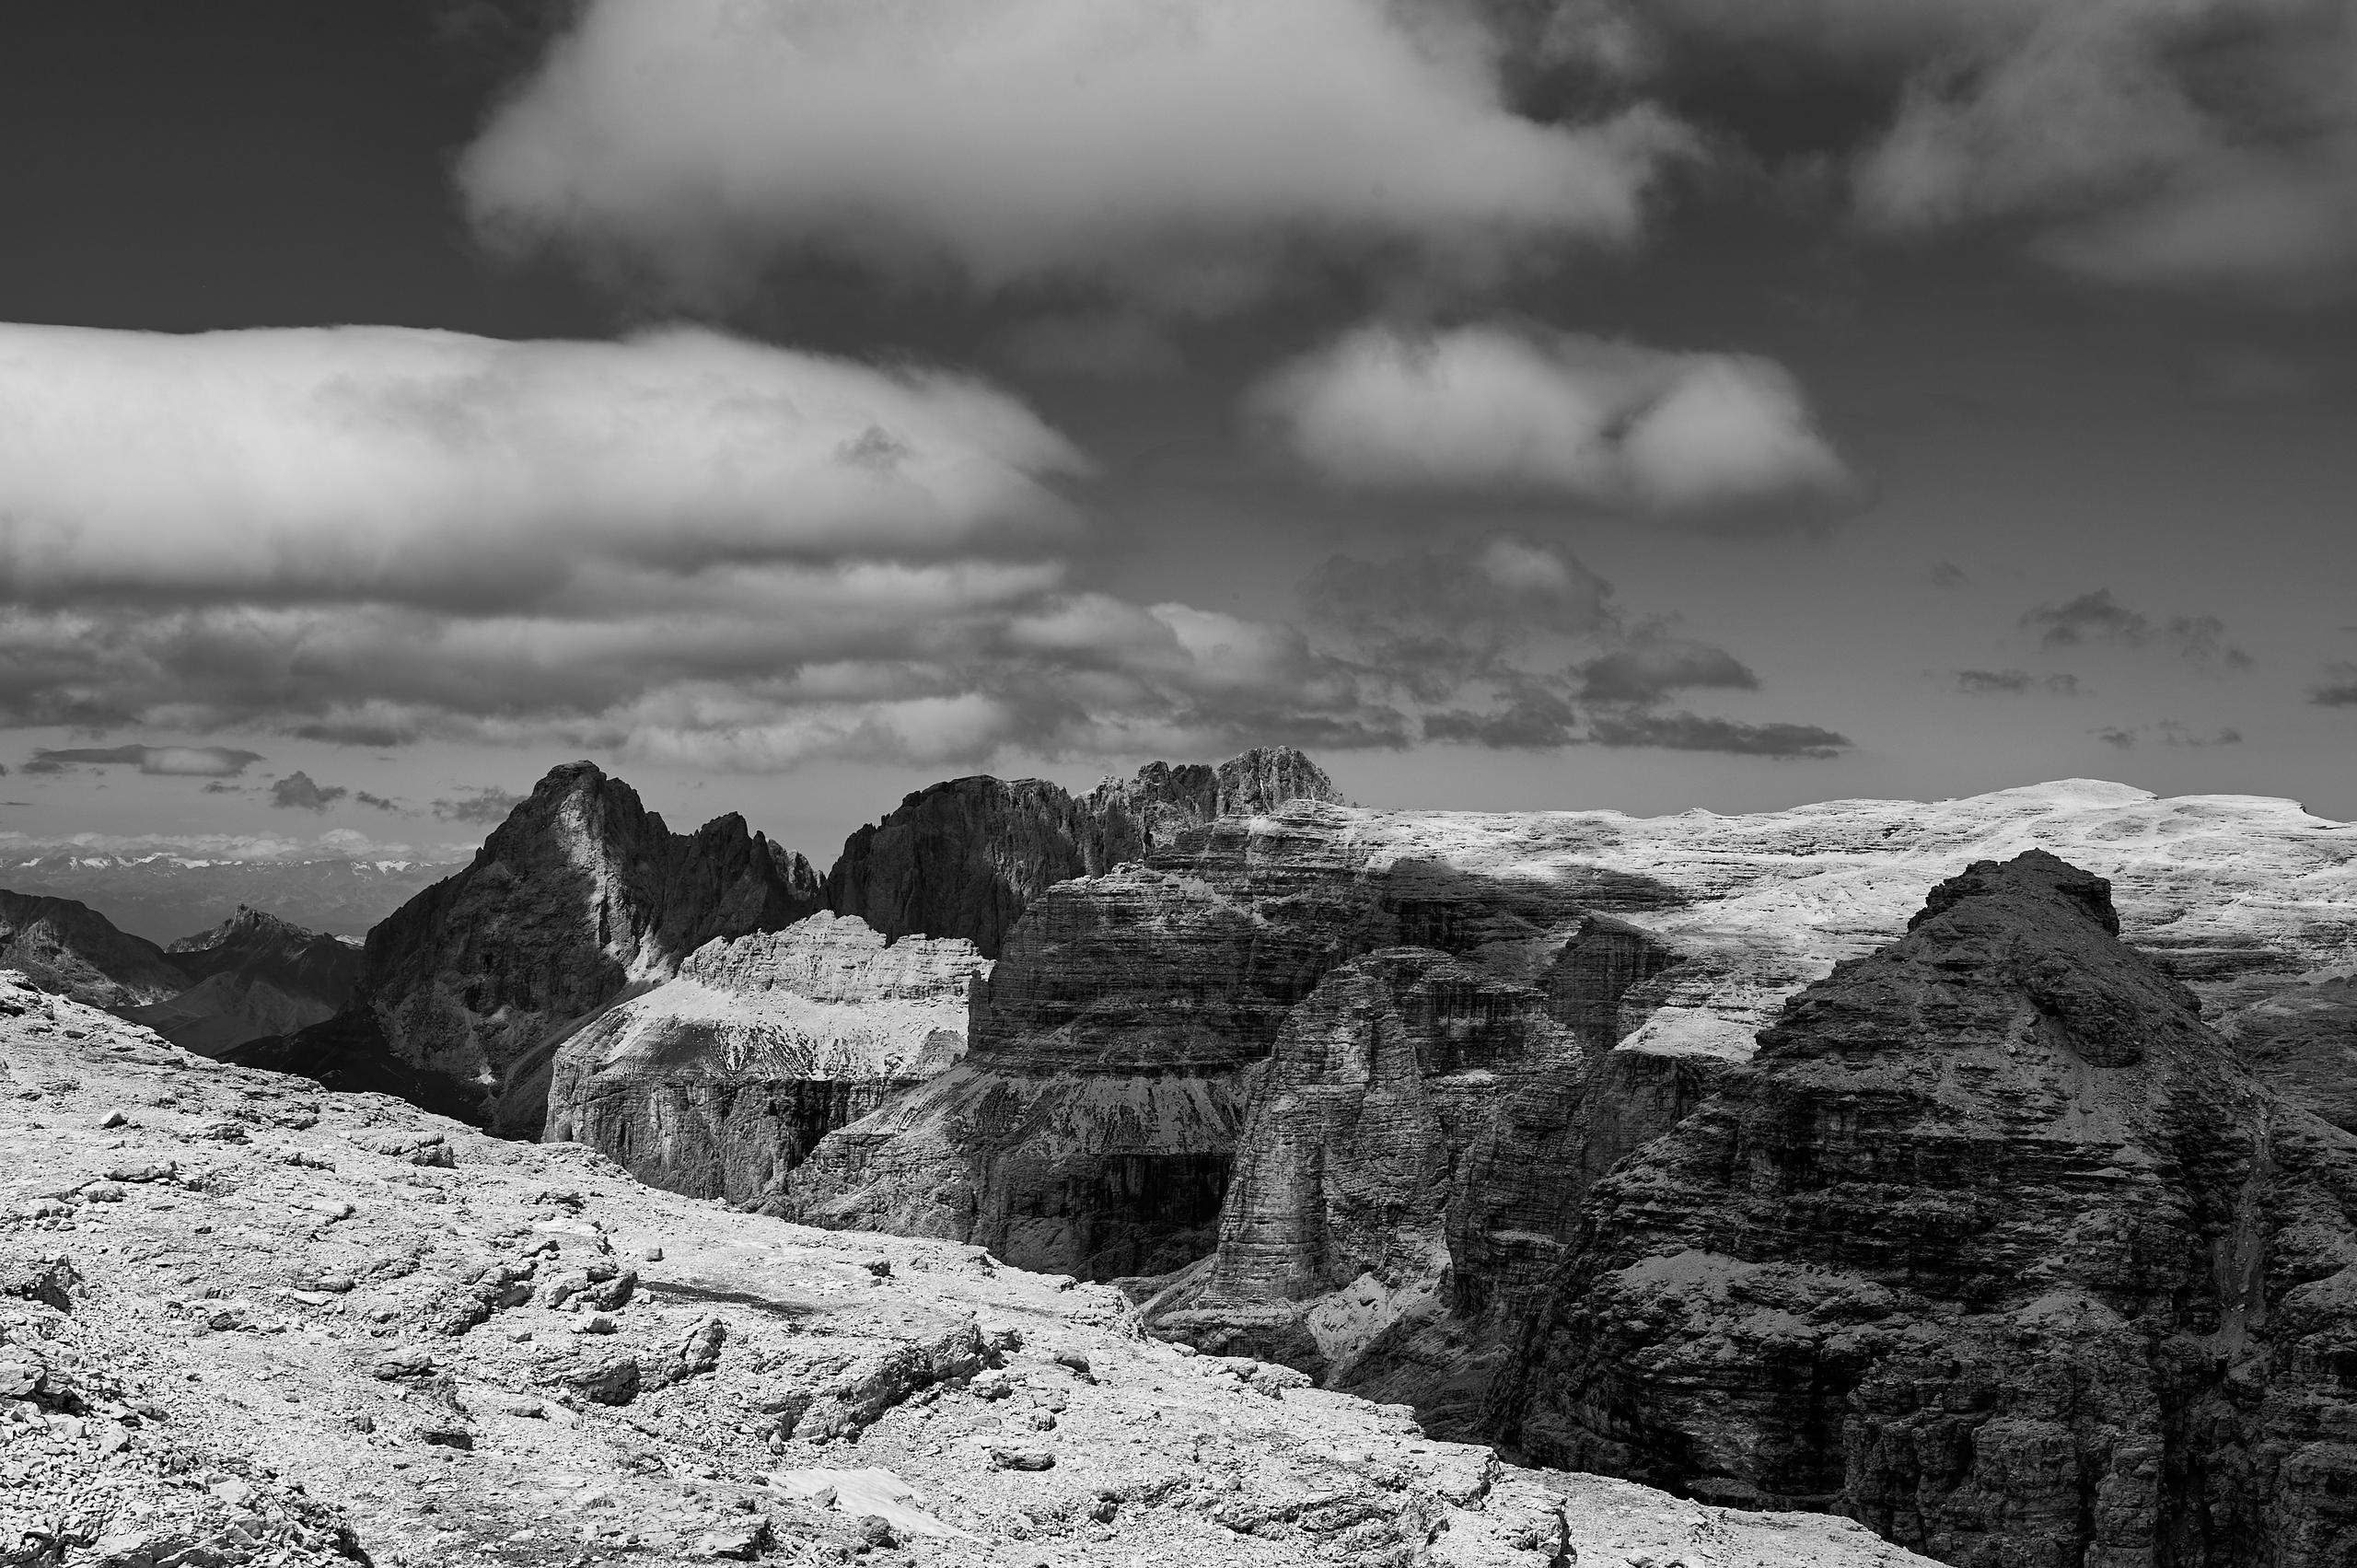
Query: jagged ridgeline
x,y
252,977
583,901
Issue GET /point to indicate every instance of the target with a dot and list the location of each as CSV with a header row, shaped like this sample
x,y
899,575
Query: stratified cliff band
x,y
1996,1247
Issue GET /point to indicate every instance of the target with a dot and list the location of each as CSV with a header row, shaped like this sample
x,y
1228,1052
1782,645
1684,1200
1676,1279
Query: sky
x,y
1515,403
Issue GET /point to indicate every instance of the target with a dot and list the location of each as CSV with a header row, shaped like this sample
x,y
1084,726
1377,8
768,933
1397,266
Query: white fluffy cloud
x,y
1174,149
437,468
1494,408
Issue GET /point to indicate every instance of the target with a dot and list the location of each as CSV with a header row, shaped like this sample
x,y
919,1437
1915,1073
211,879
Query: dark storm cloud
x,y
191,762
2013,683
1690,732
2097,616
486,803
297,792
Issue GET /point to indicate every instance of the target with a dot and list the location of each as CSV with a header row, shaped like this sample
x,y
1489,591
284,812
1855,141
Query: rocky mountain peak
x,y
578,894
1993,1247
2032,875
249,927
966,857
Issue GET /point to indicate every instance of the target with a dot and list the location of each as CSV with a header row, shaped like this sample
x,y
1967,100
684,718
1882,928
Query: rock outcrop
x,y
71,949
253,976
1092,1126
250,1322
965,858
1995,1247
581,893
718,1082
1118,1055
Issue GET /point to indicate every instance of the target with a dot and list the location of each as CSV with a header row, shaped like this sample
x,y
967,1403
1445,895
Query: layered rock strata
x,y
965,858
1092,1127
579,894
718,1083
1995,1247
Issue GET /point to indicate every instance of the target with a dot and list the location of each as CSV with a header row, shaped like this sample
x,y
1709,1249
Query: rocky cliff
x,y
1092,1126
1097,1125
965,858
580,893
1996,1246
718,1083
72,950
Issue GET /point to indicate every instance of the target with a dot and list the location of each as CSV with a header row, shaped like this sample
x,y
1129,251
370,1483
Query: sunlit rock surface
x,y
716,1083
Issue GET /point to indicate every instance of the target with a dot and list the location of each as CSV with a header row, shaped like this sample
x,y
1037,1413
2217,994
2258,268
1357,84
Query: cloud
x,y
2152,142
2169,732
2013,683
1946,575
485,803
1182,151
432,468
297,791
379,801
337,843
1688,732
1511,644
1440,617
2097,616
1655,665
1494,408
187,762
2340,687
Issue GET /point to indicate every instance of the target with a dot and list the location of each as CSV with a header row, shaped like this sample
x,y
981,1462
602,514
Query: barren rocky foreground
x,y
244,1319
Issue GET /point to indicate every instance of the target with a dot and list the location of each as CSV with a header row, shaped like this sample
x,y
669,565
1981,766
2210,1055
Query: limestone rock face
x,y
961,859
579,894
1372,1135
716,1083
1996,1246
1092,1127
72,950
964,858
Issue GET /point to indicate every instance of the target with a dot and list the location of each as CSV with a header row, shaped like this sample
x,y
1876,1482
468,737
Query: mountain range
x,y
1870,1158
